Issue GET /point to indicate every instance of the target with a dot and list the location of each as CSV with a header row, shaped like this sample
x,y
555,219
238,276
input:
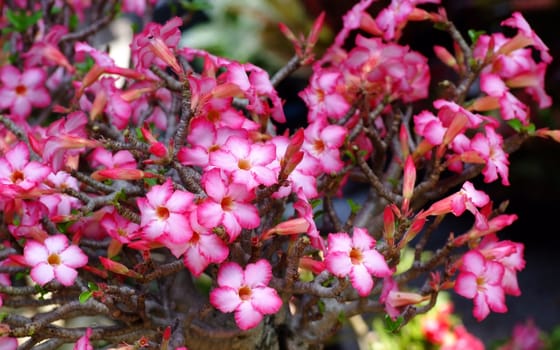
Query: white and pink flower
x,y
55,258
357,258
246,292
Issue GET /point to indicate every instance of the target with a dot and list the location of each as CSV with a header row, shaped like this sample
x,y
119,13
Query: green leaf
x,y
515,124
21,21
475,34
195,5
354,207
391,325
85,296
85,66
92,286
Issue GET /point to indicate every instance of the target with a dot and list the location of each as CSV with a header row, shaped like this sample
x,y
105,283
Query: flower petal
x,y
42,273
247,317
225,299
338,263
230,275
266,300
35,253
258,273
361,280
56,243
73,257
65,274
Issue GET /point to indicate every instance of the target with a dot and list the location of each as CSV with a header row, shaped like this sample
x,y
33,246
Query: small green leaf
x,y
391,325
515,124
475,34
92,286
85,296
354,207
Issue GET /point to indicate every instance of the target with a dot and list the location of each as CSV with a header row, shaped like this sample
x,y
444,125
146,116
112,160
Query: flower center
x,y
227,203
245,293
195,238
21,89
319,146
356,256
244,164
17,176
162,213
213,148
213,116
53,259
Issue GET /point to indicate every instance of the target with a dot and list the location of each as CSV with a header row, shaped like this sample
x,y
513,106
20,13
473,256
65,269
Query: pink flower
x,y
204,248
247,162
481,280
228,204
22,91
246,293
468,198
54,259
205,138
322,142
510,255
64,139
356,257
156,43
16,170
83,343
8,343
164,214
490,147
323,95
526,336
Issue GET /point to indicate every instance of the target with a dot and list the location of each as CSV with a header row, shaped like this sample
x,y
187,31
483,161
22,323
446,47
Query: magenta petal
x,y
209,213
247,317
361,280
32,77
230,275
466,285
65,275
195,261
495,298
338,263
214,185
481,309
375,263
225,299
339,242
247,215
258,273
212,247
362,240
178,228
473,262
18,156
73,257
42,273
56,244
35,253
266,300
179,201
8,343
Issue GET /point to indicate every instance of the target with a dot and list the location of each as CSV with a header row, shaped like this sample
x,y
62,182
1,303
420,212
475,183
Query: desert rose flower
x,y
54,259
22,91
356,257
246,293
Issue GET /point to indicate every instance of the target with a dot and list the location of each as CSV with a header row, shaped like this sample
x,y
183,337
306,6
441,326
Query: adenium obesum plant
x,y
161,201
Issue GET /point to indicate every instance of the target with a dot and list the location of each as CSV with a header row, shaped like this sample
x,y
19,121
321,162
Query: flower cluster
x,y
162,195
